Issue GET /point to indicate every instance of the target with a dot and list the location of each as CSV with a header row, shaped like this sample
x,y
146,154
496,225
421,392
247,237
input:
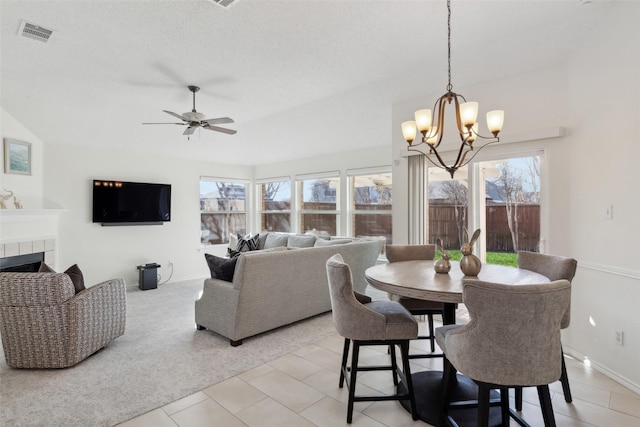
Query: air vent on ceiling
x,y
224,3
34,32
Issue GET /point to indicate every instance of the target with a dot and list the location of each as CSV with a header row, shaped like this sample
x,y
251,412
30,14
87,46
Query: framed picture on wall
x,y
17,157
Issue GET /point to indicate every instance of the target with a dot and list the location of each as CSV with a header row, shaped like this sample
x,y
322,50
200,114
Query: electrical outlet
x,y
619,337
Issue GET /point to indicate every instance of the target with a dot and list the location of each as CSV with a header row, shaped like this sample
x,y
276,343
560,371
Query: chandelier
x,y
431,125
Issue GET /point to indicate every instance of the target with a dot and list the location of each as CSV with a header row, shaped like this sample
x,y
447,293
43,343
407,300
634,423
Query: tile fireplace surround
x,y
27,231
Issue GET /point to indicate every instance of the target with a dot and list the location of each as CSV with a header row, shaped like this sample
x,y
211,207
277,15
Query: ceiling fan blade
x,y
181,124
223,130
175,115
219,121
190,130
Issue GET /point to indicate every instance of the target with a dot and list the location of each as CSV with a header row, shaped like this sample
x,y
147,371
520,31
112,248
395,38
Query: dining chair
x,y
417,307
374,323
555,268
510,340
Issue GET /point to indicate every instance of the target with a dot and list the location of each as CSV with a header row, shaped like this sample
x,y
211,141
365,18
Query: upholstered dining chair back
x,y
352,319
513,336
396,253
45,324
552,266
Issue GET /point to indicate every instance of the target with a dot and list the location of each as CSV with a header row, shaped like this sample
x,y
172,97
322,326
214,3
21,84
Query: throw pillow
x,y
233,241
322,242
301,241
275,239
73,272
221,268
248,243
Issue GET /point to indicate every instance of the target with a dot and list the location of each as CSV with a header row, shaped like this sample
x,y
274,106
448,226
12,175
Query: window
x,y
370,205
274,198
318,206
503,200
223,210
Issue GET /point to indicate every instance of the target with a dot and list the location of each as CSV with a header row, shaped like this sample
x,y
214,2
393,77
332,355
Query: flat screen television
x,y
126,203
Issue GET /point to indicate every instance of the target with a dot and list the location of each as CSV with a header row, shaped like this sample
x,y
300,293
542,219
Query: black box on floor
x,y
148,276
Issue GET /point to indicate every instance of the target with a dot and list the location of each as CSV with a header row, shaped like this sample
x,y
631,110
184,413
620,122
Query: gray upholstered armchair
x,y
555,268
417,307
512,339
374,323
45,324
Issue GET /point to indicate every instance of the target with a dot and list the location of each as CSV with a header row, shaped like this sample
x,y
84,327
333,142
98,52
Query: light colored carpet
x,y
160,358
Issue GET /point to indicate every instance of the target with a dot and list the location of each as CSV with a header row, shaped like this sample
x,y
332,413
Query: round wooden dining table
x,y
418,279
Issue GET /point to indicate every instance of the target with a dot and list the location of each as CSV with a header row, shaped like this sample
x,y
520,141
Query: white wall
x,y
604,91
594,94
107,252
27,188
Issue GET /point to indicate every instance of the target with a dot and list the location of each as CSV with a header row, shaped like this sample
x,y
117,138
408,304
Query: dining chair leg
x,y
448,372
404,351
564,380
352,380
343,367
504,406
546,406
432,336
518,398
483,404
394,364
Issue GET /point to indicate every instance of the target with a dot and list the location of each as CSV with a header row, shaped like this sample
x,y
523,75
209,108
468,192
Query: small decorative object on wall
x,y
5,197
442,265
17,203
17,157
470,264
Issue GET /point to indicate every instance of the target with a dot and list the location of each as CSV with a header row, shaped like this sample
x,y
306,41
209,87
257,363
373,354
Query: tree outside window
x,y
222,210
371,205
319,204
275,205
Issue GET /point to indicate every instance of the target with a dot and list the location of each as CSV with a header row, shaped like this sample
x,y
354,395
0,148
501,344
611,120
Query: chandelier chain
x,y
449,86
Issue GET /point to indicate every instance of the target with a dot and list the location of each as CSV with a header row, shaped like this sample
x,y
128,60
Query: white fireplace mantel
x,y
24,231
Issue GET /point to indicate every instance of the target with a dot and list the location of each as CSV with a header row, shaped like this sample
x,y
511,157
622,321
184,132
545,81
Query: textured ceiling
x,y
111,65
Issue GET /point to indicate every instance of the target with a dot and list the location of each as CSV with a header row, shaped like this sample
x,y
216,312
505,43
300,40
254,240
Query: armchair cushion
x,y
74,273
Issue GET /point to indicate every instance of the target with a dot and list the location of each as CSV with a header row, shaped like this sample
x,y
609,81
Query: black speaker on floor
x,y
148,276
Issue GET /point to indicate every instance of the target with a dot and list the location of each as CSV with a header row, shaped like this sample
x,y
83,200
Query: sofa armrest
x,y
97,316
217,306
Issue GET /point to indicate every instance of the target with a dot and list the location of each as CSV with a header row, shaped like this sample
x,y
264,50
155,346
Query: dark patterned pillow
x,y
248,243
221,268
73,272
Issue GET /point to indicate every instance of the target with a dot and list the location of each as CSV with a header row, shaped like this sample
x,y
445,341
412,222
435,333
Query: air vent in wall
x,y
34,32
224,3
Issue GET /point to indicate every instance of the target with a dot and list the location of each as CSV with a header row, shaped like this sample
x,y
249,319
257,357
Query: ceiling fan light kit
x,y
194,119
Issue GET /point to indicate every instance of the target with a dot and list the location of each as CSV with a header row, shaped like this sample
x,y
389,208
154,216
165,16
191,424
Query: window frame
x,y
299,198
247,206
352,212
259,202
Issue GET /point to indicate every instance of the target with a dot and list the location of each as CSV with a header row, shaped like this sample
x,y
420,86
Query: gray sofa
x,y
278,286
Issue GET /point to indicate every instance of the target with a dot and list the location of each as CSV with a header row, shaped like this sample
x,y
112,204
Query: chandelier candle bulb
x,y
432,139
409,131
468,113
423,120
474,131
495,120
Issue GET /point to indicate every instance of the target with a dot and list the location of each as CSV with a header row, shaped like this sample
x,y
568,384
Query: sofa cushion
x,y
322,242
276,239
73,272
248,243
221,268
301,241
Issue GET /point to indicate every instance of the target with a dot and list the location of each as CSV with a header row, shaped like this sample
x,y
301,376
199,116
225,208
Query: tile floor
x,y
301,389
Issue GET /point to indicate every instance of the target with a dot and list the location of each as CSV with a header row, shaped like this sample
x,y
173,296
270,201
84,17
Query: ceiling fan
x,y
194,119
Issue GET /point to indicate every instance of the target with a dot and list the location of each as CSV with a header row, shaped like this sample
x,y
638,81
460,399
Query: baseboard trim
x,y
603,369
